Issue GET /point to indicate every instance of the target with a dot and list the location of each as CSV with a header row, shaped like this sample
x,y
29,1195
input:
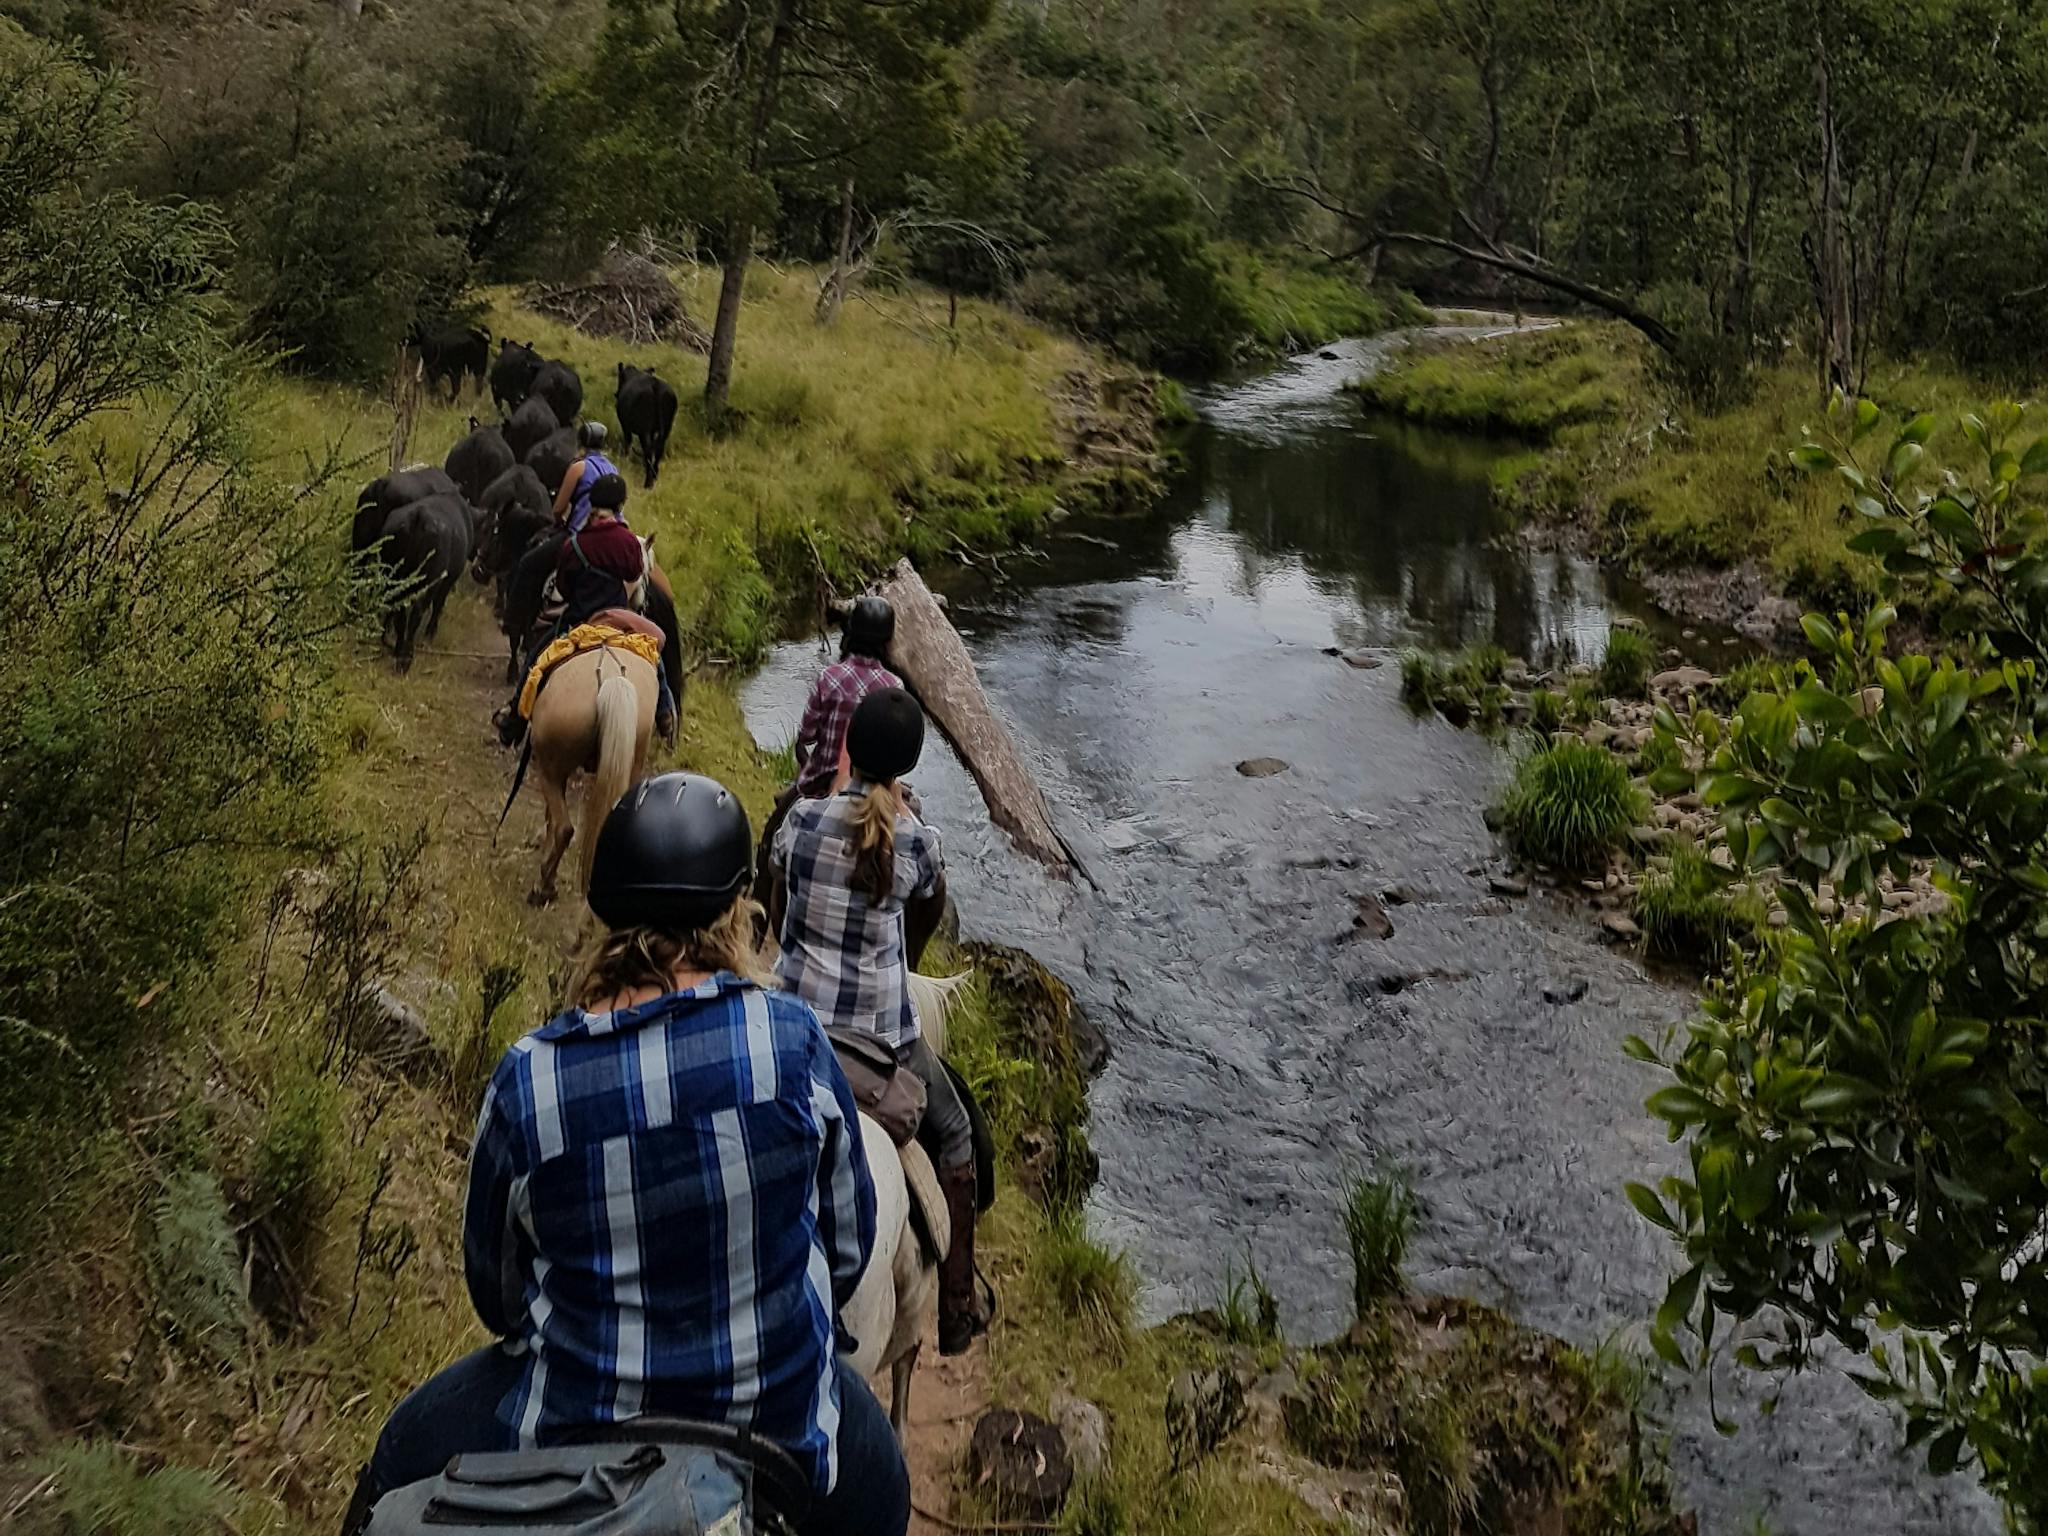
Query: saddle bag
x,y
690,1486
890,1095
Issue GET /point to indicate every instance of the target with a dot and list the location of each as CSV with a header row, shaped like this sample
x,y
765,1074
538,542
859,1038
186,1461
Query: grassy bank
x,y
1652,479
225,1277
1290,307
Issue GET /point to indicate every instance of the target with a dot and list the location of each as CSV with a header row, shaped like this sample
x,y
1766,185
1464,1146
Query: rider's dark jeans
x,y
455,1412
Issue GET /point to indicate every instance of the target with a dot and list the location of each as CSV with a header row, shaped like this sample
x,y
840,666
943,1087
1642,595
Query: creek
x,y
1258,1055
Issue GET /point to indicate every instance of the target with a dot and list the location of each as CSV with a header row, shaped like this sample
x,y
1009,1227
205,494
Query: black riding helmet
x,y
885,735
608,492
870,626
673,855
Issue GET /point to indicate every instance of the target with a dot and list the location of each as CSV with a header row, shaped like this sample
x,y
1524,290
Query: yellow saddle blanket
x,y
584,637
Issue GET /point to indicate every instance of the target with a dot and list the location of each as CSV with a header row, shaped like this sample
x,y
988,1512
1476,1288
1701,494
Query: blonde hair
x,y
630,958
874,843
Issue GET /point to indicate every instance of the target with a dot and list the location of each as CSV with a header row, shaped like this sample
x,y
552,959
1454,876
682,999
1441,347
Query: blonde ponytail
x,y
874,844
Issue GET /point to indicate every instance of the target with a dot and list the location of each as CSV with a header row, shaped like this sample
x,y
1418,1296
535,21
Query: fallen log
x,y
930,657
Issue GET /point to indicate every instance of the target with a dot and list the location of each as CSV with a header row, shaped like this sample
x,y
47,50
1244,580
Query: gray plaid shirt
x,y
841,953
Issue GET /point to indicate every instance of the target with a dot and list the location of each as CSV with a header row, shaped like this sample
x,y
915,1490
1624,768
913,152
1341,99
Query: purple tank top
x,y
595,467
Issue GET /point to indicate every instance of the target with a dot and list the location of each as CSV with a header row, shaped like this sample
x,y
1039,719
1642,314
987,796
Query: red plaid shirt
x,y
833,697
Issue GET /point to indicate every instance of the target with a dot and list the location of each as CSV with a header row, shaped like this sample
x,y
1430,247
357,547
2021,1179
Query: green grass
x,y
1570,806
1657,478
1380,1212
1532,386
1688,909
1294,307
1627,663
99,1490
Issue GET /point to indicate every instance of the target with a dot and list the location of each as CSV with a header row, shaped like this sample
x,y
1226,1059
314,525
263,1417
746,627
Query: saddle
x,y
584,637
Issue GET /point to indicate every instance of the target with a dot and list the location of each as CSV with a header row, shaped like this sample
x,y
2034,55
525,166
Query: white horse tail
x,y
933,998
618,732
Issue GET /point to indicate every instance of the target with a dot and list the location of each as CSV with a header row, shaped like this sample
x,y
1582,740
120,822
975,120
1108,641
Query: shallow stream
x,y
1257,1058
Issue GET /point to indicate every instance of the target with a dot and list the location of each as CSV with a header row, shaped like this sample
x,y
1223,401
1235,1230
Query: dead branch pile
x,y
627,296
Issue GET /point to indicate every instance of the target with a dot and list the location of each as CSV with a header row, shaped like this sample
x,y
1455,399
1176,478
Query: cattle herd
x,y
491,503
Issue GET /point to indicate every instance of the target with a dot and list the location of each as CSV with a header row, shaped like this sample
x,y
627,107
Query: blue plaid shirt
x,y
668,1204
841,952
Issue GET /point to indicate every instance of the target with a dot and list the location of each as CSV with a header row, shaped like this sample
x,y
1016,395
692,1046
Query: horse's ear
x,y
648,543
472,423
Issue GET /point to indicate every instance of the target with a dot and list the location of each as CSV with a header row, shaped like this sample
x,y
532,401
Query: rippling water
x,y
1256,1057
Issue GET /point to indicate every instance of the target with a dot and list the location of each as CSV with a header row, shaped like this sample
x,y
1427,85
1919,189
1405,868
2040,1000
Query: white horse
x,y
887,1311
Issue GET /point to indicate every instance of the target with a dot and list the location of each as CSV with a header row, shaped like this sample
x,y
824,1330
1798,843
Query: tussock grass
x,y
1530,386
1689,909
1570,805
1626,666
1380,1211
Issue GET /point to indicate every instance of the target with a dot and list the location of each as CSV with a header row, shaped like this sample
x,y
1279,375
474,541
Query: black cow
x,y
478,459
514,508
512,373
558,384
525,594
534,420
387,493
426,545
647,410
453,353
551,457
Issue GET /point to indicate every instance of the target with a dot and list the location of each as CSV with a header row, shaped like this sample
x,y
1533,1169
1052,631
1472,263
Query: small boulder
x,y
1202,1408
1020,1462
1361,661
1262,767
1681,680
1082,1425
1599,734
1649,837
1401,895
1508,885
1620,927
1371,920
1559,993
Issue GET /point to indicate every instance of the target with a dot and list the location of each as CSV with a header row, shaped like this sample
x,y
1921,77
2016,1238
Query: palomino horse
x,y
594,716
887,1312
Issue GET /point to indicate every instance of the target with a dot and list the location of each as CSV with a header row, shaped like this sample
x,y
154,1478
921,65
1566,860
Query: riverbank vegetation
x,y
1873,1178
1623,458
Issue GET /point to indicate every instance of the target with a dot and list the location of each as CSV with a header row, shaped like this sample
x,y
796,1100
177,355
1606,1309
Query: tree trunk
x,y
725,327
1656,330
834,292
1832,276
933,662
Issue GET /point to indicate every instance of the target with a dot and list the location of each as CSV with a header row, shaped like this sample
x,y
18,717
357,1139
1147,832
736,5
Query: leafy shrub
x,y
166,608
1570,805
1379,1220
1626,667
97,1490
1873,1180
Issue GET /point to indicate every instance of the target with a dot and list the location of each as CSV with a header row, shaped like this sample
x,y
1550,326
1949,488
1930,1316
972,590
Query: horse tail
x,y
933,998
618,732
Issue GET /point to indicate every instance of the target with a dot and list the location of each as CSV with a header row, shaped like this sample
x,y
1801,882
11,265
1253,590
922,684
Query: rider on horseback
x,y
573,499
597,569
669,1201
848,864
